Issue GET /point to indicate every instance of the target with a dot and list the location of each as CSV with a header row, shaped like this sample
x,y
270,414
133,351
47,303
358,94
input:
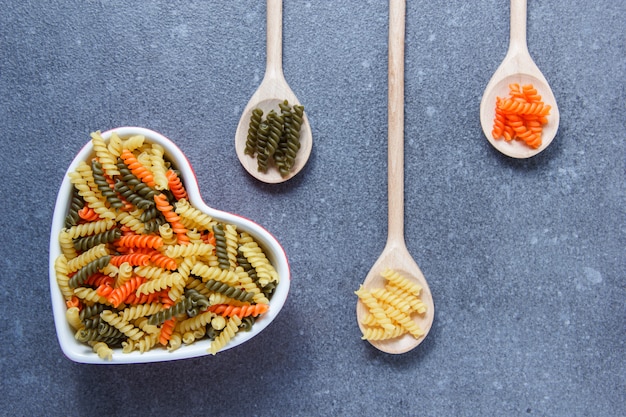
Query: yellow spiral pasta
x,y
402,282
72,315
67,245
215,273
115,145
151,272
90,296
196,322
192,217
62,276
415,303
157,163
131,331
173,279
394,300
167,234
230,233
379,333
246,283
82,178
90,228
103,350
131,220
405,321
193,335
192,249
232,327
124,274
140,310
105,157
133,142
84,258
194,236
255,255
375,309
176,341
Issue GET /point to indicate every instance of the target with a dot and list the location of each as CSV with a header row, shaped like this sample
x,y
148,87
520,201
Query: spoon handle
x,y
517,37
395,120
274,60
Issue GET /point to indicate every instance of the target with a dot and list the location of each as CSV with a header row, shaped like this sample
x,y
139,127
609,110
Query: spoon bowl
x,y
395,255
272,91
517,67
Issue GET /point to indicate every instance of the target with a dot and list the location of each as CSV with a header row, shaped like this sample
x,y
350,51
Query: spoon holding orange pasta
x,y
395,308
273,112
518,110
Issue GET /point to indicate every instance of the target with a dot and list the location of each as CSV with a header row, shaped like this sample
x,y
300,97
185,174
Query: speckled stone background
x,y
525,258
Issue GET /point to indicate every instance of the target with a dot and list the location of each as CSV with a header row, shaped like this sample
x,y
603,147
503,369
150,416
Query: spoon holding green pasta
x,y
393,307
273,140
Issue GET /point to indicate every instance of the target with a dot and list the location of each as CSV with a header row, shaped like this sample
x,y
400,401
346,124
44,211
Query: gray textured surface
x,y
525,259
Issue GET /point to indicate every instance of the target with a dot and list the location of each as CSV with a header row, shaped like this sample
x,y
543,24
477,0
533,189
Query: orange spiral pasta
x,y
140,241
104,290
520,116
119,294
137,168
134,259
228,310
88,214
163,205
133,298
163,261
167,328
175,184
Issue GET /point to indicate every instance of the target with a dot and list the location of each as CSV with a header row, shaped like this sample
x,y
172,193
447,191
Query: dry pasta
x,y
391,309
152,256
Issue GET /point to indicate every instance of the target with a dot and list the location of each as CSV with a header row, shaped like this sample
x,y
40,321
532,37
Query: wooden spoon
x,y
517,67
272,91
395,254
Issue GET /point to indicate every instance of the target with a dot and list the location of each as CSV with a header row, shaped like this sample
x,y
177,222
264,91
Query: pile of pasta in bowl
x,y
142,270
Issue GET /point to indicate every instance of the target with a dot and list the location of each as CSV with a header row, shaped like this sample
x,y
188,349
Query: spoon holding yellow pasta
x,y
273,140
395,308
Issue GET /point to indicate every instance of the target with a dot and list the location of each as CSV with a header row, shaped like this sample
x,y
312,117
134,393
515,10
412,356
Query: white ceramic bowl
x,y
80,352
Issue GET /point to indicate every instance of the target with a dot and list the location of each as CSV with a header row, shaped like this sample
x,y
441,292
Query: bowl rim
x,y
83,353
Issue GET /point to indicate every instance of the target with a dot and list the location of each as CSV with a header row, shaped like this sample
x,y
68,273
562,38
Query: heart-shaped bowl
x,y
84,353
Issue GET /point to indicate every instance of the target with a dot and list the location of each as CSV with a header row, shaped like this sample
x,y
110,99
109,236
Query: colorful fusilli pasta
x,y
143,268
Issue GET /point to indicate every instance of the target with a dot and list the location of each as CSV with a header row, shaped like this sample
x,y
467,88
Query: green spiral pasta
x,y
221,249
129,195
275,122
107,331
93,335
179,308
199,302
132,181
243,262
247,323
82,274
88,242
262,138
228,290
253,127
275,138
291,144
91,311
92,322
103,185
76,204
